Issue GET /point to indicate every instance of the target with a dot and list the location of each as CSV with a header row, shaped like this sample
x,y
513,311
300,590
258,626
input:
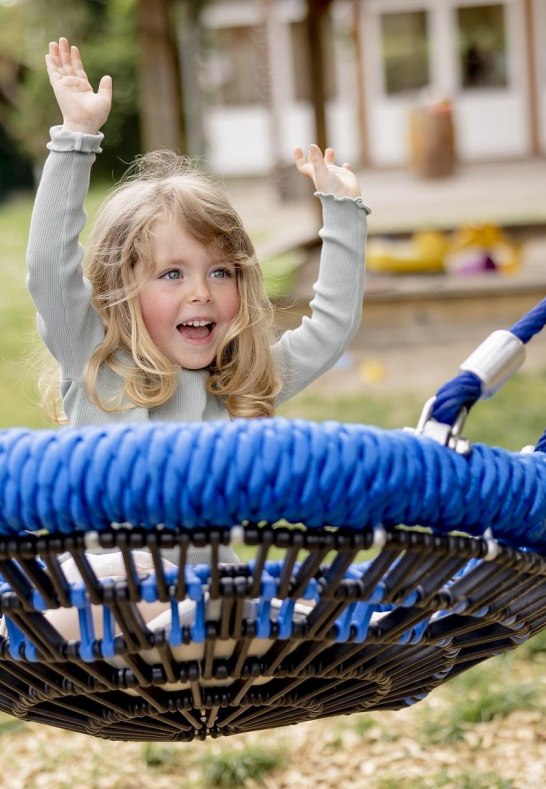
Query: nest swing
x,y
383,563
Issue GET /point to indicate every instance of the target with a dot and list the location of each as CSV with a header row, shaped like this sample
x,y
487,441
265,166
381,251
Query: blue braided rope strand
x,y
220,474
540,446
461,392
525,328
465,389
531,323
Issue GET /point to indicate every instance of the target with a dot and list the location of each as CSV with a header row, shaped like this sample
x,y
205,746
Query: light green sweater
x,y
71,327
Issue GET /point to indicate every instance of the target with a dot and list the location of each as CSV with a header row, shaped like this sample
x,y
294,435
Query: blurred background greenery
x,y
107,30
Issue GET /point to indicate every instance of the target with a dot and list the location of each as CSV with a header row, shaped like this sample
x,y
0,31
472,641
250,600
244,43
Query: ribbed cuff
x,y
358,201
74,141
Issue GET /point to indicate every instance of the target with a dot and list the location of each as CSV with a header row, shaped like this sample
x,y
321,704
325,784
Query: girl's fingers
x,y
317,160
64,51
66,56
299,158
55,71
315,163
77,64
51,68
105,87
63,60
53,57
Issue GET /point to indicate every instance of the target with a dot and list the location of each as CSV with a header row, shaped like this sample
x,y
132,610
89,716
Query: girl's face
x,y
189,298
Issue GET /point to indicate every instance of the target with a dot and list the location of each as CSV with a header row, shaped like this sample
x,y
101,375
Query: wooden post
x,y
187,20
283,173
315,15
364,153
532,68
162,123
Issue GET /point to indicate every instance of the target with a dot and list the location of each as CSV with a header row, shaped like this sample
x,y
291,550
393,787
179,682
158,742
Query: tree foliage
x,y
105,30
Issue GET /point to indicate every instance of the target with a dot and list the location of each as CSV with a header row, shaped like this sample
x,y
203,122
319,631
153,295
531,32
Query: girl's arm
x,y
305,353
69,325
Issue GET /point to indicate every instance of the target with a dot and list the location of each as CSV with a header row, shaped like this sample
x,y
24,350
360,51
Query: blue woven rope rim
x,y
220,474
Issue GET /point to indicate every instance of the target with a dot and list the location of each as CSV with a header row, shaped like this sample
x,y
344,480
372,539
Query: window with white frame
x,y
481,36
405,51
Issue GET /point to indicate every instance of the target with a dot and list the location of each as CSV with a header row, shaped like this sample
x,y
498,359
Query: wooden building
x,y
382,60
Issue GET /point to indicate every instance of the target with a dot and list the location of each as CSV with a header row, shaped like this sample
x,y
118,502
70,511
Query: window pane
x,y
482,46
404,43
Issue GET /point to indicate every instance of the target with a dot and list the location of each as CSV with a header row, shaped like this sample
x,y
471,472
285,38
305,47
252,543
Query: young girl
x,y
171,322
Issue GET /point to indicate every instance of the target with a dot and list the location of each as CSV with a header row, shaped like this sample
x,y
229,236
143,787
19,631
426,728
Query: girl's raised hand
x,y
83,110
327,176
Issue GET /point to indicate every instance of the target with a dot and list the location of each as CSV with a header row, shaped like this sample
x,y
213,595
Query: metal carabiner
x,y
444,434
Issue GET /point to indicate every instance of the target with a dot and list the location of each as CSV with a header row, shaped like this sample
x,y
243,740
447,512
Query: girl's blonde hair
x,y
164,185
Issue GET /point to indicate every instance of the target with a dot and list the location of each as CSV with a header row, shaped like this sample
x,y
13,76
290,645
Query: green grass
x,y
279,272
220,767
159,756
535,648
17,328
10,725
232,767
456,779
485,692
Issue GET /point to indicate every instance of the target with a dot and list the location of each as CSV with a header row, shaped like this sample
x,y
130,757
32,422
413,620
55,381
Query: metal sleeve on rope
x,y
488,367
495,360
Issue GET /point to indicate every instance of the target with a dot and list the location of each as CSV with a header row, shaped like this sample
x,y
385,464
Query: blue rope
x,y
540,446
460,392
531,323
527,327
465,389
220,474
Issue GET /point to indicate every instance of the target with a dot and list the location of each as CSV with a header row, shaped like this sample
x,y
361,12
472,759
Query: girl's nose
x,y
199,290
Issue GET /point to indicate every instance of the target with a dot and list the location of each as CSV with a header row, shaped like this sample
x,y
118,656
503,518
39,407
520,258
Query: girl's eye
x,y
222,273
172,274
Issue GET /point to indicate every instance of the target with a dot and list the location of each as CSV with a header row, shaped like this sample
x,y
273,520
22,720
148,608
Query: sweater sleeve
x,y
67,321
305,353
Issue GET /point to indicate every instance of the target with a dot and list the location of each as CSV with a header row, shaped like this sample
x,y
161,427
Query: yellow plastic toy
x,y
424,252
476,249
469,250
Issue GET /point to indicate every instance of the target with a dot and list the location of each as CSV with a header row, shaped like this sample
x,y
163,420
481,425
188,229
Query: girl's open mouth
x,y
196,330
